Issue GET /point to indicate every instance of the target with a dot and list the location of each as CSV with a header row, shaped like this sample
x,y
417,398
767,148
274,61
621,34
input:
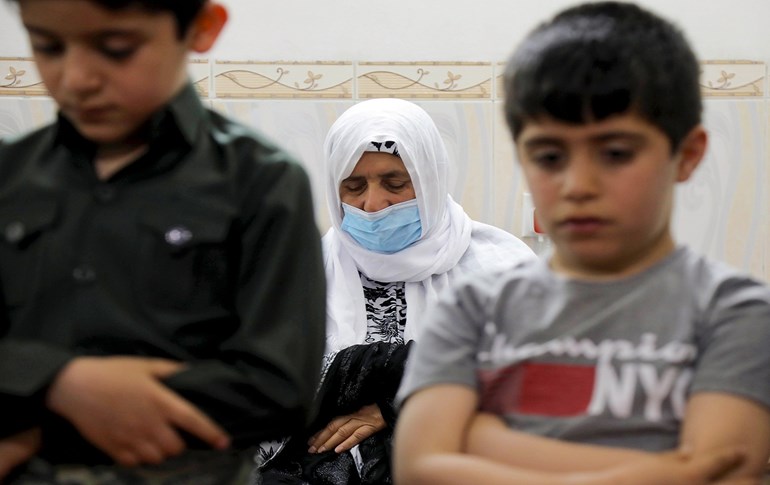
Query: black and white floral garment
x,y
385,311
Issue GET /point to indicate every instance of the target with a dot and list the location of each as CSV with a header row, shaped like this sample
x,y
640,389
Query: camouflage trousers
x,y
191,468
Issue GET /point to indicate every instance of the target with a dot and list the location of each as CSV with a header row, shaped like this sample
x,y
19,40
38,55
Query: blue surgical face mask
x,y
386,231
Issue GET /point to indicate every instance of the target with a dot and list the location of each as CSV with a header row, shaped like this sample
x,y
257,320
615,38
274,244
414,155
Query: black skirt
x,y
359,376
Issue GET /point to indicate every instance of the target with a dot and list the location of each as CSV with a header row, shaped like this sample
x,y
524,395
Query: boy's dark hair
x,y
185,11
596,60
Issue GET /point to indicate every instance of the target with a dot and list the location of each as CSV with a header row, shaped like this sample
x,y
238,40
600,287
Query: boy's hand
x,y
345,432
680,467
18,449
120,406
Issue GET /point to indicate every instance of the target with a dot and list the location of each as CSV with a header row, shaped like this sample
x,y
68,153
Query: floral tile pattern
x,y
427,80
718,78
19,77
733,78
317,80
363,80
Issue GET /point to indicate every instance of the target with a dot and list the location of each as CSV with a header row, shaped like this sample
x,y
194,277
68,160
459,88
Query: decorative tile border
x,y
200,74
733,78
499,84
19,77
718,79
235,79
363,80
425,80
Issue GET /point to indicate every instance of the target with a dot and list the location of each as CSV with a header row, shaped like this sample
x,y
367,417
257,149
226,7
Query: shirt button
x,y
83,274
178,236
105,193
14,232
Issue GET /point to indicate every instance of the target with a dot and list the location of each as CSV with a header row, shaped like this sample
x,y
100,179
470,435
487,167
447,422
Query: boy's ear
x,y
207,26
691,152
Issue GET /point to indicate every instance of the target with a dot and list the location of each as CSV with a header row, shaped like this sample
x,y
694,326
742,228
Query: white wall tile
x,y
722,211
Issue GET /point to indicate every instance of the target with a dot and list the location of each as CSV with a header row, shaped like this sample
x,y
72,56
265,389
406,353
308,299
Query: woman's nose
x,y
375,200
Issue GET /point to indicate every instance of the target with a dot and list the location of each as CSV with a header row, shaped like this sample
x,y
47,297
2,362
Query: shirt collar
x,y
185,111
182,115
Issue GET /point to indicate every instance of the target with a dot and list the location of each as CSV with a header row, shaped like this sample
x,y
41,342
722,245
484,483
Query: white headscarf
x,y
451,243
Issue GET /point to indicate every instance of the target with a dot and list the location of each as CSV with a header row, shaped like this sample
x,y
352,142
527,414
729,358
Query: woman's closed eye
x,y
396,186
353,187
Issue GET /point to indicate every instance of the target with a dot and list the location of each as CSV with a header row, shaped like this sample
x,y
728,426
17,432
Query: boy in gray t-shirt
x,y
619,358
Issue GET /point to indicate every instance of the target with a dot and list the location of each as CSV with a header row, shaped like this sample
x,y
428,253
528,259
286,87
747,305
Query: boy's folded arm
x,y
431,448
430,441
490,437
715,420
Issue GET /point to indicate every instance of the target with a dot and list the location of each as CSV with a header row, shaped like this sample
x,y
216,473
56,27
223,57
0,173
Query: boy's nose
x,y
79,75
581,181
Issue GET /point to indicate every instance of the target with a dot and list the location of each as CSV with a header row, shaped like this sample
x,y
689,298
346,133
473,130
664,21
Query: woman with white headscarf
x,y
397,240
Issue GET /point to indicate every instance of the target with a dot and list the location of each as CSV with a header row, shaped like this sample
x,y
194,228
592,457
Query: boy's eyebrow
x,y
39,31
541,140
630,135
99,34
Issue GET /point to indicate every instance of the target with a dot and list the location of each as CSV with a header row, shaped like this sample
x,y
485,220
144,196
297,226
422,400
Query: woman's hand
x,y
345,432
18,449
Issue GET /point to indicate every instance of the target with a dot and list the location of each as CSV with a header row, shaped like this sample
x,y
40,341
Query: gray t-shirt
x,y
609,363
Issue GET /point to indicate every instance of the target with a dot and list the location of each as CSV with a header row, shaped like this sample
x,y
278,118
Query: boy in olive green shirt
x,y
160,271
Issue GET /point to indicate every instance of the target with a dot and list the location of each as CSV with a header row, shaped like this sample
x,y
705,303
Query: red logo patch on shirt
x,y
541,389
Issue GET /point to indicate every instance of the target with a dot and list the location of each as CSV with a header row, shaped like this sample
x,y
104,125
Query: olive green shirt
x,y
204,250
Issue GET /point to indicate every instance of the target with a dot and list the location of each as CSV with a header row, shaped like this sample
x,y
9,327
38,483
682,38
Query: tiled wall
x,y
724,211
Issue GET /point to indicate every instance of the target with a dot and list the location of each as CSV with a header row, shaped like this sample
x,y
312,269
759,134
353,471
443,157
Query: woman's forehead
x,y
379,164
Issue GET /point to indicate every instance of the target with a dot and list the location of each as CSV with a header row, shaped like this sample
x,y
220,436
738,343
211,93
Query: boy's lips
x,y
583,224
95,113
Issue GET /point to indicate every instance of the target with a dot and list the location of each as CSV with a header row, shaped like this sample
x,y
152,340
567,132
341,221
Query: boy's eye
x,y
548,159
617,155
47,48
117,52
